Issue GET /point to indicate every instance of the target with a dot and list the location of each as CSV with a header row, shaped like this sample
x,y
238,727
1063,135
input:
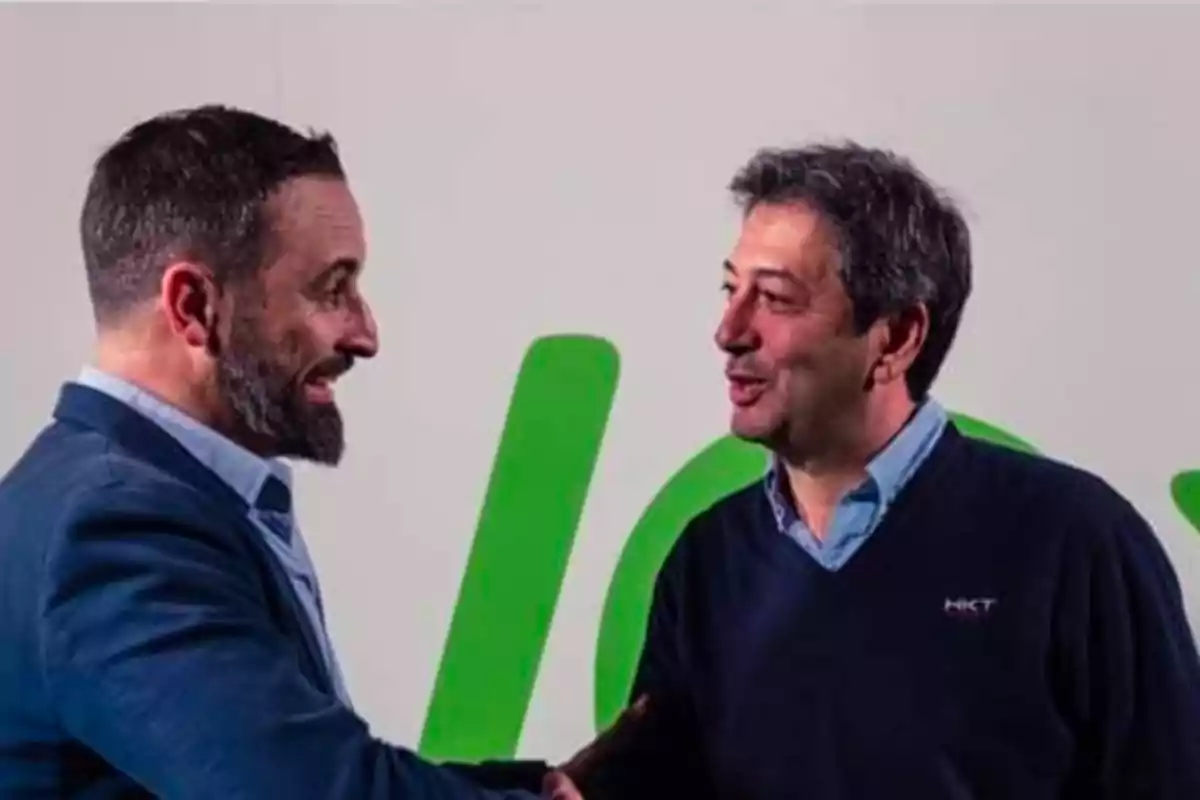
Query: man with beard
x,y
162,625
896,610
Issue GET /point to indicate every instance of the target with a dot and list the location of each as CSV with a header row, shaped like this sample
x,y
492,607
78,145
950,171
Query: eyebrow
x,y
766,272
348,265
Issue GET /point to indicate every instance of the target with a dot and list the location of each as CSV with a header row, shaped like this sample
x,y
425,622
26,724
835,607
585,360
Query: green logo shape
x,y
526,529
978,429
721,468
1185,490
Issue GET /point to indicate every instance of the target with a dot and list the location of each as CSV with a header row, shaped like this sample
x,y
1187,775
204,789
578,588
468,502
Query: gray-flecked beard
x,y
265,398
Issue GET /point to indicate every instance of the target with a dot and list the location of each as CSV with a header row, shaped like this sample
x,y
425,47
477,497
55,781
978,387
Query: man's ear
x,y
190,299
899,338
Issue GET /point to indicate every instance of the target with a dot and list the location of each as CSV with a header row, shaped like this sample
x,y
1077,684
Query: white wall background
x,y
527,171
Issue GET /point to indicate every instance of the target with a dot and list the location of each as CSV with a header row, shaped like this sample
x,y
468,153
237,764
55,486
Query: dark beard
x,y
266,401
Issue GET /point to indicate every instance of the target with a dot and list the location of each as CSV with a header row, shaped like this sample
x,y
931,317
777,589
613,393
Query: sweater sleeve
x,y
1128,666
662,758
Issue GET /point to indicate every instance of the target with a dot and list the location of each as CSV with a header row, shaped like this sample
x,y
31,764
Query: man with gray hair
x,y
896,610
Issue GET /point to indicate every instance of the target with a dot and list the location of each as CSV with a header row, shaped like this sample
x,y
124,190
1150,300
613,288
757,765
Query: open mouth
x,y
745,390
319,389
318,385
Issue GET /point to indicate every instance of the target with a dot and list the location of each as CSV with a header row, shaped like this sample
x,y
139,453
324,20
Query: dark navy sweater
x,y
1012,630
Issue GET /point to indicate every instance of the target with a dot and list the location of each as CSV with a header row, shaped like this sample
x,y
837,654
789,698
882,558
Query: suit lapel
x,y
89,408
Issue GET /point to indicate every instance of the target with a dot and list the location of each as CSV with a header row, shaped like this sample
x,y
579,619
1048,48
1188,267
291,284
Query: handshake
x,y
568,781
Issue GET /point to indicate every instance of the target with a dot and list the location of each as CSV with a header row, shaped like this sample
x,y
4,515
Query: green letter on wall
x,y
1185,489
526,529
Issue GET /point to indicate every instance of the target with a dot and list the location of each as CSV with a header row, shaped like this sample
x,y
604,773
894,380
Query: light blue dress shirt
x,y
859,513
254,479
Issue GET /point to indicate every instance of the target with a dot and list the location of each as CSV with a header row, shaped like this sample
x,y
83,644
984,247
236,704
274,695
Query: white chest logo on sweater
x,y
969,607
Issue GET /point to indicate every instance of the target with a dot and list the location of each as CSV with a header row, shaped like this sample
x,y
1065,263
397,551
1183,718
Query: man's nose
x,y
735,333
363,341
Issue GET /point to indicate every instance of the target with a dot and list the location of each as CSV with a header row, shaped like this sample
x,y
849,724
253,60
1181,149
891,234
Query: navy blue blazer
x,y
152,646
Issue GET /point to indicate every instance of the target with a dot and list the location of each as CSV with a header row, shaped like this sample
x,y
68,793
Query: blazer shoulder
x,y
71,478
135,525
121,490
64,461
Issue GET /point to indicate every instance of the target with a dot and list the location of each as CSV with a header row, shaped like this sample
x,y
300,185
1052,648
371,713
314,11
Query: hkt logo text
x,y
535,496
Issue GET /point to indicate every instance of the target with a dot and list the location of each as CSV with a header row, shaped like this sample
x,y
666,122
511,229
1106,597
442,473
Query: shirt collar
x,y
891,467
245,472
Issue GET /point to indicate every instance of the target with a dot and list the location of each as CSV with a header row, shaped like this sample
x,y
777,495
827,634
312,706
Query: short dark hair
x,y
189,184
900,240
